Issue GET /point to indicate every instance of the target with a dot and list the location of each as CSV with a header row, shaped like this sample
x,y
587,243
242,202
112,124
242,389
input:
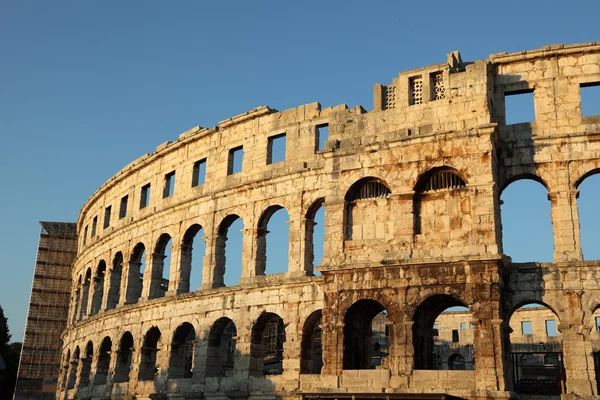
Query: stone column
x,y
254,257
212,272
306,263
565,224
153,277
489,352
108,280
334,232
130,283
298,241
85,300
181,280
175,272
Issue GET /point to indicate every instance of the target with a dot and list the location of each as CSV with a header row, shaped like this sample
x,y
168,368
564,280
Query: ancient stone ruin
x,y
411,194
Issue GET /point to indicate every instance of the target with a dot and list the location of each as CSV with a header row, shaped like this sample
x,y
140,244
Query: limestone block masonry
x,y
411,193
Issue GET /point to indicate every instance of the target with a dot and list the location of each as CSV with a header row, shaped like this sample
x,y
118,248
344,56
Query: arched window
x,y
311,348
161,266
314,237
148,355
365,335
76,299
65,370
589,218
85,293
441,179
268,336
192,252
86,365
114,289
124,358
103,365
221,348
273,250
137,265
368,214
73,369
228,252
98,288
182,352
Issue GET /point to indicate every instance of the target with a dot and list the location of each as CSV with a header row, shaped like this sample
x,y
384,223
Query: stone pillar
x,y
292,353
306,263
334,232
565,224
153,276
108,280
175,272
489,352
212,271
85,300
130,284
333,347
254,257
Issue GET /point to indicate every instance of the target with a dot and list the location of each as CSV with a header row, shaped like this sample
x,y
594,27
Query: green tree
x,y
10,354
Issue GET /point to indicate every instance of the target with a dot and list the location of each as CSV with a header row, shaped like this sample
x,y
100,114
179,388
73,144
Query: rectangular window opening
x,y
276,149
551,330
199,173
597,319
322,136
436,83
234,163
416,90
123,207
169,188
85,233
145,196
526,328
94,225
519,107
463,325
107,211
455,337
590,99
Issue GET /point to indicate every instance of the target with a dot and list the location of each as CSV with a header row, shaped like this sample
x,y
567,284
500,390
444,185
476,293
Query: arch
x,y
525,213
311,347
182,351
227,260
522,176
220,358
588,198
114,288
76,300
440,178
161,267
65,369
85,293
124,358
530,302
365,219
314,236
586,175
423,330
456,362
73,369
103,364
86,365
99,279
267,338
360,336
272,251
147,369
135,278
191,262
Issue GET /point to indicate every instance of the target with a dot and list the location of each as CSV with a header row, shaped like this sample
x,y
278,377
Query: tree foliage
x,y
10,354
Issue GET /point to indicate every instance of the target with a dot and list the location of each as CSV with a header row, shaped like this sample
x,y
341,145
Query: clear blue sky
x,y
86,87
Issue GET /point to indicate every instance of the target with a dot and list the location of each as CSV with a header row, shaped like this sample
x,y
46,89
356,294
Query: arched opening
x,y
85,293
526,223
441,327
73,369
314,237
311,347
440,198
148,355
365,335
192,253
589,217
86,365
456,362
272,254
137,266
266,349
161,267
65,370
220,357
536,350
368,213
182,352
124,358
103,365
76,299
98,288
228,252
114,289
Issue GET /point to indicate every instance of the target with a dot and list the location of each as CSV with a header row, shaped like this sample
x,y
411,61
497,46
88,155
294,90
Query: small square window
x,y
590,99
94,225
463,325
526,328
518,107
551,330
107,216
145,196
276,149
169,188
123,206
199,173
234,163
322,136
455,337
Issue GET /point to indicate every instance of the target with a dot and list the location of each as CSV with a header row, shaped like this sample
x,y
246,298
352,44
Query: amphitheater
x,y
411,195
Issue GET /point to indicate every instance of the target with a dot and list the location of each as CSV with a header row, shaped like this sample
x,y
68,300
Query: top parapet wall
x,y
468,100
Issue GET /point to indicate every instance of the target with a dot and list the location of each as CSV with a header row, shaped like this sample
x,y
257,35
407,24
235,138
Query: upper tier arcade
x,y
411,193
